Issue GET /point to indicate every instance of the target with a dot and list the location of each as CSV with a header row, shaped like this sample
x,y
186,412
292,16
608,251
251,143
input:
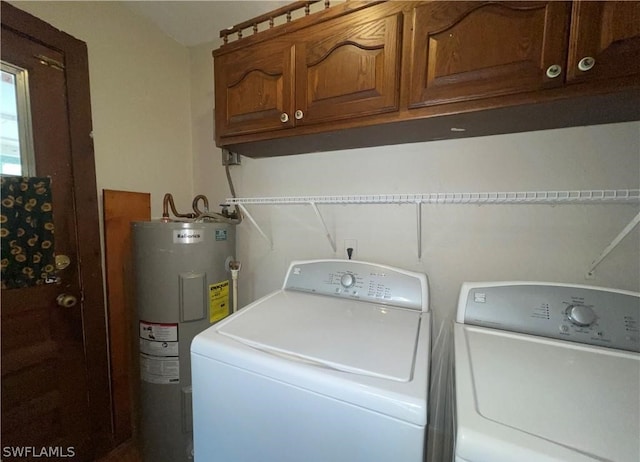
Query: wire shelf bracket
x,y
331,240
599,196
627,229
246,213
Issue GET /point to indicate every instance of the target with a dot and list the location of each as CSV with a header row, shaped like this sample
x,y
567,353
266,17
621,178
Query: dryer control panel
x,y
360,281
585,314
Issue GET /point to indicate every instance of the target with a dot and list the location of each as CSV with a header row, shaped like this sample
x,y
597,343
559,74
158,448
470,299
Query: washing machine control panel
x,y
360,281
585,314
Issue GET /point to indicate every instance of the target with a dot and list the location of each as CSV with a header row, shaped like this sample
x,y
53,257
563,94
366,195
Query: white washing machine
x,y
547,372
332,367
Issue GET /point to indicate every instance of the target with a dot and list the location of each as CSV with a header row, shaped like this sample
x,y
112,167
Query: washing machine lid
x,y
528,398
356,337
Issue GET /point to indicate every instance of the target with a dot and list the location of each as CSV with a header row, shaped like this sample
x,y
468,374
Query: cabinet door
x,y
478,49
254,89
349,67
605,40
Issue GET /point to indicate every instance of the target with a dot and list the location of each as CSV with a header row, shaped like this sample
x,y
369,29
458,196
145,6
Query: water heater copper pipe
x,y
168,202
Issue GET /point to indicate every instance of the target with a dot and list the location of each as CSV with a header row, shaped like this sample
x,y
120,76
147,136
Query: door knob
x,y
299,114
284,117
62,261
66,300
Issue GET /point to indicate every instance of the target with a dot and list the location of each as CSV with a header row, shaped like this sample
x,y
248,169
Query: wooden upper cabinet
x,y
466,50
605,40
254,89
329,79
339,69
348,68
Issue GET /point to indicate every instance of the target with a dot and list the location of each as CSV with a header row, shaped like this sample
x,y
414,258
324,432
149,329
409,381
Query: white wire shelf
x,y
597,196
603,196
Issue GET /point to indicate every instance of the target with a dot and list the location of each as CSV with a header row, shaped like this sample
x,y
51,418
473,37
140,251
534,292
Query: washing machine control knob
x,y
347,280
580,315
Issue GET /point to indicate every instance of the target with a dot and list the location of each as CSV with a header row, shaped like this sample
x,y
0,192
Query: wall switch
x,y
230,158
351,244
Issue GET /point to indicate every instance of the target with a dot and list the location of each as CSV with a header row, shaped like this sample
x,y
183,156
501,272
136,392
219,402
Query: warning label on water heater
x,y
218,301
159,348
158,331
159,353
154,369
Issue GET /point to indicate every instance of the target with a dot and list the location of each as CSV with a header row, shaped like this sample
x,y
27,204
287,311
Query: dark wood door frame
x,y
86,210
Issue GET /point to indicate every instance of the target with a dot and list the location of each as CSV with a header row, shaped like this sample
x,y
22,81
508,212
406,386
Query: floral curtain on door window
x,y
26,231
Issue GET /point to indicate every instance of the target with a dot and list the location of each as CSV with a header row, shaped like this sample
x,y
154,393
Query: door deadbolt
x,y
66,300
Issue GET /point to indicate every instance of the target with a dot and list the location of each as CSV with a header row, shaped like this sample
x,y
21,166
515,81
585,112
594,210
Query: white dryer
x,y
332,367
547,372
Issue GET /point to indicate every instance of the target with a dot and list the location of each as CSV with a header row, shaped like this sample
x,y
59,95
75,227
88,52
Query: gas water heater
x,y
182,283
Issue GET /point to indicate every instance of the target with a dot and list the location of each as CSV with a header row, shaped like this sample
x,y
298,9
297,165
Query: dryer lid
x,y
547,398
350,336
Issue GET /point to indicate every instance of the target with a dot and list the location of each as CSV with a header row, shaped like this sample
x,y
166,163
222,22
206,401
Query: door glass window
x,y
16,146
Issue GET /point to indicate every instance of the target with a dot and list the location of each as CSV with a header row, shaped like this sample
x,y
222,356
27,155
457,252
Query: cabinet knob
x,y
554,71
299,114
284,117
586,63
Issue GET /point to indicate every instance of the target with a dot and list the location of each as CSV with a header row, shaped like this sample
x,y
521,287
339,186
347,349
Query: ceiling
x,y
194,22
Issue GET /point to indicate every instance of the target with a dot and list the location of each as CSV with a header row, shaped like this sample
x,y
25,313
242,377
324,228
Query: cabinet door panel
x,y
253,89
348,69
349,60
608,32
474,50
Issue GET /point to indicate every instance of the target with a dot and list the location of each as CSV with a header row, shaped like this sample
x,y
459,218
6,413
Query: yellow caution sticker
x,y
218,301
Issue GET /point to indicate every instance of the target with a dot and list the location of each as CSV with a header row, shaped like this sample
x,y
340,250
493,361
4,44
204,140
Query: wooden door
x,y
605,40
348,67
54,360
479,49
254,89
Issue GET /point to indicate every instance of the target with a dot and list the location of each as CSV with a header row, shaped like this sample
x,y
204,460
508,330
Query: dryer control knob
x,y
580,315
347,280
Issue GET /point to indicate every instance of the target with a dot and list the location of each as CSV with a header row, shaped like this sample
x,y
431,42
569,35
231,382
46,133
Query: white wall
x,y
208,174
460,242
140,93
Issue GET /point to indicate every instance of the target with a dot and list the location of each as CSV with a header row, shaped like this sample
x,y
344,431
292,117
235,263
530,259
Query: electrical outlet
x,y
230,158
351,244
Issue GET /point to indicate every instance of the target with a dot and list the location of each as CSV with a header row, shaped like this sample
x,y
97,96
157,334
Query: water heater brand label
x,y
188,236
